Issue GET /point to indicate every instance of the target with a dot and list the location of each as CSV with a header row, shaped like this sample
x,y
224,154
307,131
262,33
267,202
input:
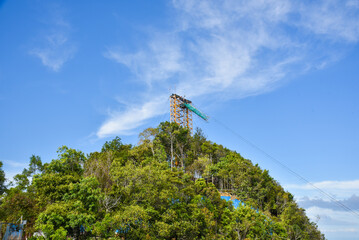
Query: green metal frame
x,y
195,110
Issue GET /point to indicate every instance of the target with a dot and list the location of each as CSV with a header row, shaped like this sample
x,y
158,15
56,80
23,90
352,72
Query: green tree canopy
x,y
168,186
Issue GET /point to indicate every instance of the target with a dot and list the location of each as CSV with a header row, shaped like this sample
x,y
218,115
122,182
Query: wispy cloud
x,y
159,61
335,224
232,49
336,221
351,202
122,123
54,47
327,185
11,168
13,164
338,189
56,50
338,22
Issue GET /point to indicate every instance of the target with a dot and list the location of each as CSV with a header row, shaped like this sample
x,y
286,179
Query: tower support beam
x,y
180,114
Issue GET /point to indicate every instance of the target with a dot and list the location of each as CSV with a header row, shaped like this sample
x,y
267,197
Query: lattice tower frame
x,y
179,113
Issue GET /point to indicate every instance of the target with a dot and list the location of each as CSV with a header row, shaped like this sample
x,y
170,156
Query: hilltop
x,y
168,186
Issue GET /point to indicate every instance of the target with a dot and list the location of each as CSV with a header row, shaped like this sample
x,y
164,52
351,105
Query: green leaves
x,y
163,188
86,192
70,161
132,220
51,187
53,218
2,180
247,222
75,211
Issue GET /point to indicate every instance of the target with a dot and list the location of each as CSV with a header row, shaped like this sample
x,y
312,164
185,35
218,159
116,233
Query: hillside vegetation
x,y
166,187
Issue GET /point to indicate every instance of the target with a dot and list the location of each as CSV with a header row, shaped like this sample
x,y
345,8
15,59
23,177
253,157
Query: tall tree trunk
x,y
153,151
171,150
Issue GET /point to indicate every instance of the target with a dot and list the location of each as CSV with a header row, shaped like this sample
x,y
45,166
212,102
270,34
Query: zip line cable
x,y
333,199
340,204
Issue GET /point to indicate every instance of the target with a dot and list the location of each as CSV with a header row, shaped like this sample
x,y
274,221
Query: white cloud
x,y
55,51
54,47
335,19
232,49
335,221
11,168
13,164
331,222
328,185
339,189
9,175
123,123
160,60
350,203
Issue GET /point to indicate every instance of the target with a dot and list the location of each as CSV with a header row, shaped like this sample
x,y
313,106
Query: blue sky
x,y
283,74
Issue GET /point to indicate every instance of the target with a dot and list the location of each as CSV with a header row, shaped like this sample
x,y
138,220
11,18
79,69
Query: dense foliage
x,y
2,180
166,187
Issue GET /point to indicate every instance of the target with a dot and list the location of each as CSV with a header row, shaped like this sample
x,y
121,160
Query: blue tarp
x,y
235,202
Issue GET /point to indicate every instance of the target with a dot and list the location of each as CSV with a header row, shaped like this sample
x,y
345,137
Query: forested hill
x,y
168,186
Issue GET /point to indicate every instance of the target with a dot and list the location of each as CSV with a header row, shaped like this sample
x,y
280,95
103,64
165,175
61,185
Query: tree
x,y
73,215
114,145
17,204
176,141
2,180
53,183
99,165
147,138
166,135
132,192
22,181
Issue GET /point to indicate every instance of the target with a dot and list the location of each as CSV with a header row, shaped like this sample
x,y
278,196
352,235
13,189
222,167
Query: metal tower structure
x,y
181,111
180,114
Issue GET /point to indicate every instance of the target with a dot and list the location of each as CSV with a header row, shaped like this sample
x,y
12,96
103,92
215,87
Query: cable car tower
x,y
181,112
